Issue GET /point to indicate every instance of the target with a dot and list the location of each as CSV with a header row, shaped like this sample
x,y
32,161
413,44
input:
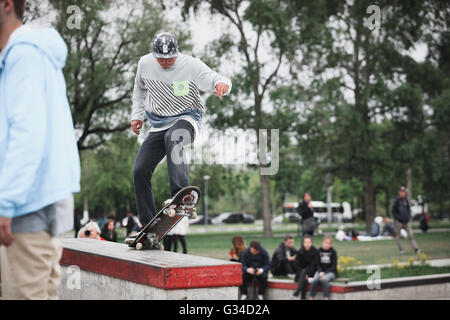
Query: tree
x,y
258,28
107,176
432,149
360,82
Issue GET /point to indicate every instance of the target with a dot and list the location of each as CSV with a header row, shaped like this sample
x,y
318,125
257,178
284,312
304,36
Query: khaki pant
x,y
30,267
407,226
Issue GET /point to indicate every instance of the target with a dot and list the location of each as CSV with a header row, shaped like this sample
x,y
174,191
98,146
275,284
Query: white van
x,y
341,212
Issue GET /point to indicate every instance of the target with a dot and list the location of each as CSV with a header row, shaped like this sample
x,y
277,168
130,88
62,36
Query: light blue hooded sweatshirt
x,y
39,162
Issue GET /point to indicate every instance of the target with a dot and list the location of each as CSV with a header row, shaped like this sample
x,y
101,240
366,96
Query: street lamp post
x,y
328,184
299,194
206,178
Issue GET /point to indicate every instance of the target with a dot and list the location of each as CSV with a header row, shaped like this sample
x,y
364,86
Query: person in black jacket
x,y
306,213
283,259
255,266
130,223
306,264
108,231
402,215
76,222
326,268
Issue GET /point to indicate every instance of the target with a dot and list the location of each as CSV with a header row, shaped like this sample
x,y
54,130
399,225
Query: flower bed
x,y
349,269
393,272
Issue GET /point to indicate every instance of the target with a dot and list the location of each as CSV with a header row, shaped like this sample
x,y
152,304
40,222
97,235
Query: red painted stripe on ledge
x,y
293,286
159,277
202,277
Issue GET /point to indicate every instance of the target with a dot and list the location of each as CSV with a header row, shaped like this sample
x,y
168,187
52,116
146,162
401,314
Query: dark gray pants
x,y
407,226
168,143
302,282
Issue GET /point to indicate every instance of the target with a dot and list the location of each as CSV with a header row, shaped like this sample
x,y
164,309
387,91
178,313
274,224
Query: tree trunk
x,y
219,203
85,197
369,207
387,204
265,193
409,184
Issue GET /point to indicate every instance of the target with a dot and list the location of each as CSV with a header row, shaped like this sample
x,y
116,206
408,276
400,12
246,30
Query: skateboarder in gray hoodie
x,y
167,92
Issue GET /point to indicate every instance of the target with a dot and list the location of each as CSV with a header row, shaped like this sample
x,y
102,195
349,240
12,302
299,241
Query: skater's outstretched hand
x,y
220,89
136,126
6,237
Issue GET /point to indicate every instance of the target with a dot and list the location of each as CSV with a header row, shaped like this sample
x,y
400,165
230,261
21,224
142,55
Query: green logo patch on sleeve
x,y
180,88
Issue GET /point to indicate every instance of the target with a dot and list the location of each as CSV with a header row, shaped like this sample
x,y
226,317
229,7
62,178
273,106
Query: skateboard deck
x,y
152,234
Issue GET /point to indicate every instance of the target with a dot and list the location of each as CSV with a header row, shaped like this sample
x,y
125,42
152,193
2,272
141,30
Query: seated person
x,y
305,263
388,228
375,228
326,268
237,249
255,267
341,235
91,231
283,259
109,231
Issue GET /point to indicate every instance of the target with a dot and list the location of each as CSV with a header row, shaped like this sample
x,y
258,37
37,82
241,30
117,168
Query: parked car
x,y
233,217
200,220
290,216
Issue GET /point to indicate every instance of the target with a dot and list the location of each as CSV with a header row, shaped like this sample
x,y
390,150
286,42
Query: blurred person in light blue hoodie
x,y
39,162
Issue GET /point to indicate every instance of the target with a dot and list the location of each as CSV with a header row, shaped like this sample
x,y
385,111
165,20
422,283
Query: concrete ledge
x,y
94,286
102,260
338,287
419,287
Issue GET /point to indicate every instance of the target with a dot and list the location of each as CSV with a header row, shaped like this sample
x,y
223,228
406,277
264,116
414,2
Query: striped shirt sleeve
x,y
206,79
139,96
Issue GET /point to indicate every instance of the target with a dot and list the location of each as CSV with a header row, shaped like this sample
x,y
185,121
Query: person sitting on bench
x,y
306,264
255,267
326,268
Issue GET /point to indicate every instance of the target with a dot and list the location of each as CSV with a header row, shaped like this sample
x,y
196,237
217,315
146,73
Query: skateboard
x,y
151,235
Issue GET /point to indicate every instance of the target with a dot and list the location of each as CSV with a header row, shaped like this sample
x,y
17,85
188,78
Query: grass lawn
x,y
385,273
435,245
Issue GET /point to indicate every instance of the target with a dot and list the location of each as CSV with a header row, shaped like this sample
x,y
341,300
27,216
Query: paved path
x,y
431,262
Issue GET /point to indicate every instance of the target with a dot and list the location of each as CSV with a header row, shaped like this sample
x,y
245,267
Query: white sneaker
x,y
243,297
260,297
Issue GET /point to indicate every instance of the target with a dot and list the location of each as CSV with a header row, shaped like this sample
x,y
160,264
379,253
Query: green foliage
x,y
107,179
367,115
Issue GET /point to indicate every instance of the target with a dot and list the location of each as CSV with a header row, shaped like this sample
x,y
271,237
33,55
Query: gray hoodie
x,y
168,95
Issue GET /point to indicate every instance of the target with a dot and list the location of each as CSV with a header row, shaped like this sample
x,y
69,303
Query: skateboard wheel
x,y
172,213
161,247
139,246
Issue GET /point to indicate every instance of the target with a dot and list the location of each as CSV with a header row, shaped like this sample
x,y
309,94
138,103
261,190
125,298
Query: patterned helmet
x,y
165,46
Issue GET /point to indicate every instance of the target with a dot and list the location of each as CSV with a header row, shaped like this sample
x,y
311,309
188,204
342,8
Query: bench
x,y
436,286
